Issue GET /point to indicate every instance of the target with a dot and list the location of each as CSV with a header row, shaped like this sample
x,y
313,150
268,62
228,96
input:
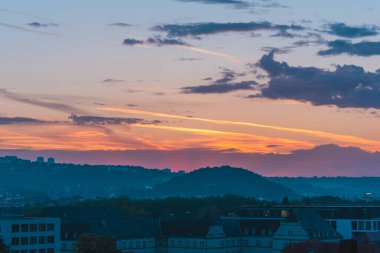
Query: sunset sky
x,y
223,75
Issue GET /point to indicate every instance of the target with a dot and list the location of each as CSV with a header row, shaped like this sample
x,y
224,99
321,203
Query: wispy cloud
x,y
225,84
20,28
234,3
199,29
42,25
37,102
99,120
121,24
340,138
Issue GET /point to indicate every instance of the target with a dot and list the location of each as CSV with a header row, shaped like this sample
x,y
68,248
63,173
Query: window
x,y
15,228
15,241
24,251
24,228
137,244
202,244
144,244
24,240
41,227
367,225
33,251
50,250
33,240
50,227
258,243
33,227
354,225
374,225
42,240
195,244
50,239
42,251
172,243
131,245
15,251
361,225
187,244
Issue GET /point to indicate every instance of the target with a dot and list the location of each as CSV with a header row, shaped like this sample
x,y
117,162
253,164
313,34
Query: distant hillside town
x,y
45,178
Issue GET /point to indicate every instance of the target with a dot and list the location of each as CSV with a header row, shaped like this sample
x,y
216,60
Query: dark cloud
x,y
41,25
36,102
156,41
198,29
219,87
343,30
159,41
98,120
19,120
364,48
348,86
111,80
132,42
190,59
121,24
223,85
234,3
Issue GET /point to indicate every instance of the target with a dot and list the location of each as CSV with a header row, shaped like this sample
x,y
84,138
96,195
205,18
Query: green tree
x,y
3,246
89,243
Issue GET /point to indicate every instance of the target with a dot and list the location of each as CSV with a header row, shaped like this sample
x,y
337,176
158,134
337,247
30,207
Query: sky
x,y
231,76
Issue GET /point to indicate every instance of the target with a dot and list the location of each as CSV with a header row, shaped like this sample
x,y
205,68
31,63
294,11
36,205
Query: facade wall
x,y
31,235
288,233
257,244
140,245
200,245
346,227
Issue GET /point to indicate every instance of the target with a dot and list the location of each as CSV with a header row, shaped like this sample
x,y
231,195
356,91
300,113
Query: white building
x,y
192,236
31,235
303,227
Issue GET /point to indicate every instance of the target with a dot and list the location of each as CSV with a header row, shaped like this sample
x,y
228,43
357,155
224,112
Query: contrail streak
x,y
316,133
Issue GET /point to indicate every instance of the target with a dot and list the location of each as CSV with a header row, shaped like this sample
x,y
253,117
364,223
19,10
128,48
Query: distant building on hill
x,y
40,160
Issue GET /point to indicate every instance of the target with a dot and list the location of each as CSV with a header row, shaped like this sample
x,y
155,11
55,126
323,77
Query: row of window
x,y
187,244
226,243
24,228
137,244
50,250
32,240
365,225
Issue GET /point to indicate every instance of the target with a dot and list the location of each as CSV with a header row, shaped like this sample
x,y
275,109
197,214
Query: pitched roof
x,y
258,227
315,226
197,227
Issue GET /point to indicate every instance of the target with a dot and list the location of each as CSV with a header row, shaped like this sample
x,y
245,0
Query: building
x,y
257,234
195,235
40,160
303,227
346,220
30,235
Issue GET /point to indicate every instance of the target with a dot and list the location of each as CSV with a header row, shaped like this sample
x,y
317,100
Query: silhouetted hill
x,y
345,187
325,160
223,180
